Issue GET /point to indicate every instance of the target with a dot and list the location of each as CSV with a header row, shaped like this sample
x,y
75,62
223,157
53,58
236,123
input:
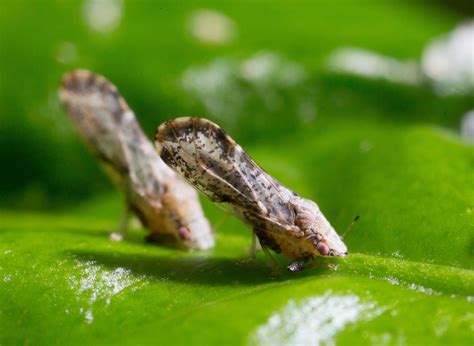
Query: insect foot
x,y
298,265
211,161
116,236
167,206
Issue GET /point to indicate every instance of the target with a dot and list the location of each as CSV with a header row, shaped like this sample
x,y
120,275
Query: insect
x,y
202,153
164,203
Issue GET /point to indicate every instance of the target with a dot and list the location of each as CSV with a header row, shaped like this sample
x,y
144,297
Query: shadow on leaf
x,y
193,268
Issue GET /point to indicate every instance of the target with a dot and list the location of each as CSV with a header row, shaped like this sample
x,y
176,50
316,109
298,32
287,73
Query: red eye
x,y
323,248
184,233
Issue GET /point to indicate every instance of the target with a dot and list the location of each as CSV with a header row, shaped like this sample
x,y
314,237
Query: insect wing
x,y
110,128
211,161
146,168
94,106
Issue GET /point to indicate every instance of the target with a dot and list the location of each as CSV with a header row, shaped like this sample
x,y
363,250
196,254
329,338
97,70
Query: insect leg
x,y
297,265
253,250
275,266
254,246
122,228
303,263
314,265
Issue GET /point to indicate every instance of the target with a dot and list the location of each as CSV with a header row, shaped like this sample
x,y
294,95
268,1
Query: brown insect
x,y
202,153
164,203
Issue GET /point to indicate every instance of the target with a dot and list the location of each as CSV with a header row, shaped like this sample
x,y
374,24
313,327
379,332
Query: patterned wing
x,y
110,129
211,161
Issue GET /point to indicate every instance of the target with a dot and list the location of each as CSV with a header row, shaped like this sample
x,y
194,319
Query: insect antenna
x,y
350,227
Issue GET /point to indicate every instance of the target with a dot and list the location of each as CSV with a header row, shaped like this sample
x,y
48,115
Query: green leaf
x,y
403,282
389,153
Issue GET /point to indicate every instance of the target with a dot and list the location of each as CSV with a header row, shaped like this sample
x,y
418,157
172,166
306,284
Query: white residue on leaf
x,y
315,320
372,65
381,340
386,339
7,278
103,16
467,125
392,280
415,287
442,324
268,73
422,289
397,254
89,317
449,60
267,69
96,284
215,85
211,27
227,86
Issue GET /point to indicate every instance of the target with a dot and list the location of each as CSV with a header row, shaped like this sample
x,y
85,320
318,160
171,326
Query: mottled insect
x,y
202,153
164,203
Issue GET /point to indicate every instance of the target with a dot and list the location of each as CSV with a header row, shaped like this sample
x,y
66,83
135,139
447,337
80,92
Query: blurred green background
x,y
148,52
384,144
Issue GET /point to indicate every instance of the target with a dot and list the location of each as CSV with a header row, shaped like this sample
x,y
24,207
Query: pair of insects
x,y
209,160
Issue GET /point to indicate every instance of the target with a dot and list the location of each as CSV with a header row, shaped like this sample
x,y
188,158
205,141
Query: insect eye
x,y
184,233
322,248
